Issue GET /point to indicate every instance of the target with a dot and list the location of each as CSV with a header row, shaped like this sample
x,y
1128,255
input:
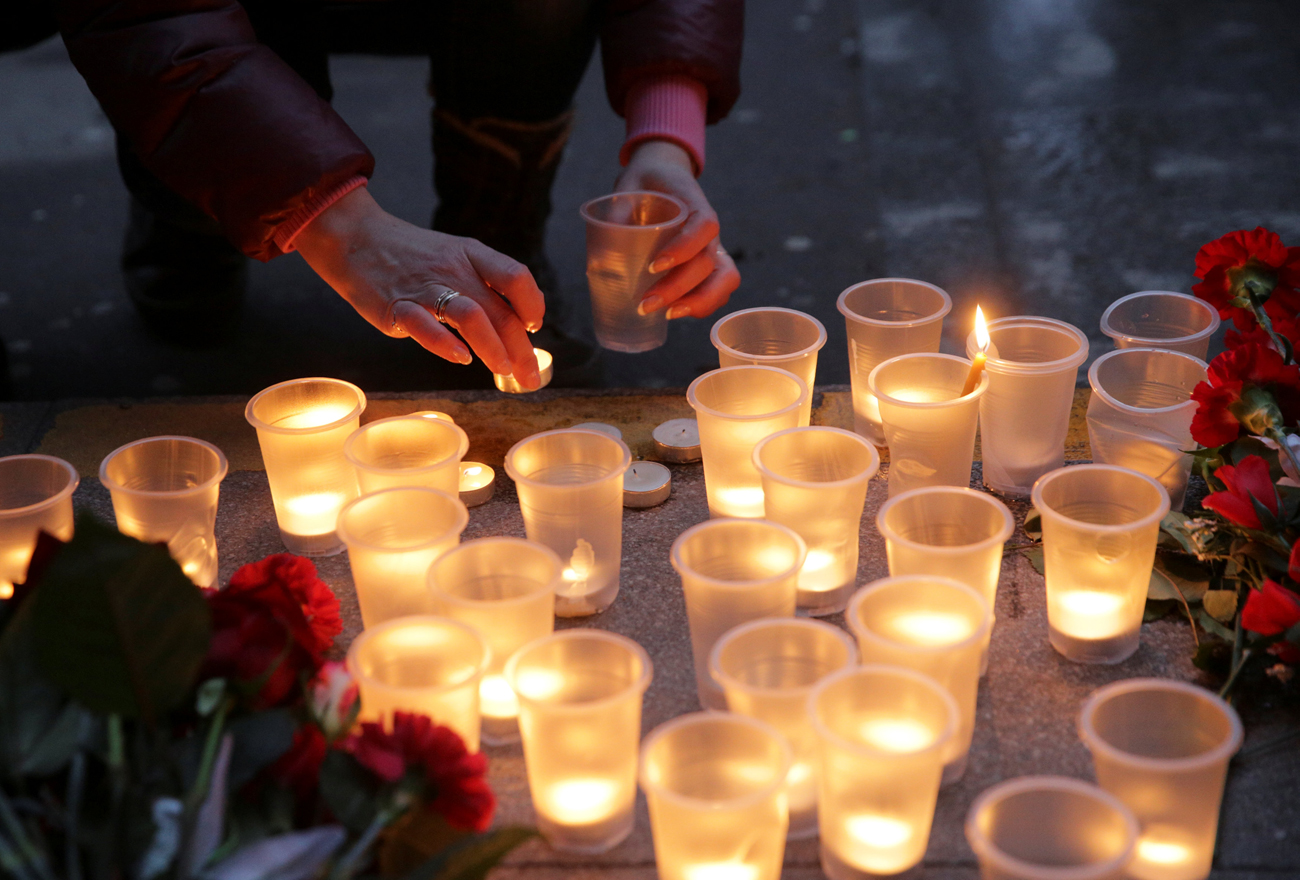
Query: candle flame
x,y
932,628
878,831
582,801
473,472
981,330
496,697
1160,846
720,871
899,735
1091,603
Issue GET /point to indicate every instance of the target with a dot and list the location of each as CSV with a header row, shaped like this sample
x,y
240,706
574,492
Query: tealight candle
x,y
301,428
545,369
580,695
35,495
715,788
677,441
646,484
1162,747
1100,525
772,337
477,483
407,451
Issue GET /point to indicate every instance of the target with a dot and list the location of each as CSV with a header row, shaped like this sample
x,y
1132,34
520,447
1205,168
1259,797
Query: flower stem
x,y
347,866
1283,345
203,779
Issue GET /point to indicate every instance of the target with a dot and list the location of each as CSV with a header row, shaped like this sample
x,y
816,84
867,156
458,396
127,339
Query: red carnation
x,y
1285,326
1248,480
1214,424
1270,611
456,787
299,768
1226,263
298,575
1229,375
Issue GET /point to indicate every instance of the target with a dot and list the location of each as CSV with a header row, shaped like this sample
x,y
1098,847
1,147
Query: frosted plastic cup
x,y
772,337
715,786
422,664
164,491
505,589
736,407
886,317
766,669
301,428
393,536
1050,828
733,571
570,486
407,451
949,532
882,732
580,695
1161,319
1140,414
935,625
1100,525
815,481
1162,747
625,232
1025,413
929,423
35,496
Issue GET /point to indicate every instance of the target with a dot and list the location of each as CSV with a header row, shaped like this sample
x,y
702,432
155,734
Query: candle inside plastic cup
x,y
35,495
407,451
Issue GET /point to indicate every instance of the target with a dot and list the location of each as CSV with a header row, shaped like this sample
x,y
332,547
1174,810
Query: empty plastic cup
x,y
1140,414
580,695
1161,319
815,481
1050,828
935,625
772,337
886,317
164,491
427,665
407,451
393,536
733,571
736,407
1100,525
882,732
35,495
301,428
570,486
1162,747
767,669
1025,413
929,423
624,234
715,786
505,589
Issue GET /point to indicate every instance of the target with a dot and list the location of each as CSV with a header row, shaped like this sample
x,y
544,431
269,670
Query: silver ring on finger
x,y
439,307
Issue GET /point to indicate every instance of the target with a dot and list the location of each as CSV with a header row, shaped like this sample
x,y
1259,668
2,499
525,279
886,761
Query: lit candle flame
x,y
898,735
932,628
720,871
981,330
496,698
582,801
878,831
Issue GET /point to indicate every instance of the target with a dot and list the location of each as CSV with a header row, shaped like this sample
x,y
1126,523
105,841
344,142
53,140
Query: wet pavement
x,y
1039,156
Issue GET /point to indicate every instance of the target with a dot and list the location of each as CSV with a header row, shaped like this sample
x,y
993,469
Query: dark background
x,y
1039,156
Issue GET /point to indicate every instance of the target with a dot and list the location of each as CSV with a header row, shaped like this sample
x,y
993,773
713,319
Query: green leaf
x,y
349,790
1192,578
473,857
1213,627
1173,531
1158,608
1034,556
1221,604
1034,525
1161,588
118,625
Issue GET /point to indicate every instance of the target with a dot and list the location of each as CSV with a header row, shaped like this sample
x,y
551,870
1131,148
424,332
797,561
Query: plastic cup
x,y
736,407
815,481
35,496
505,589
393,536
423,664
1162,747
882,732
767,669
570,486
935,625
1025,413
733,571
929,424
407,451
1140,414
772,337
715,786
580,695
1050,828
624,234
1100,525
1161,319
886,317
164,491
301,427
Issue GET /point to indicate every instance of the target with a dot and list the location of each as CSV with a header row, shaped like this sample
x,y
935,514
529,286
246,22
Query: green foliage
x,y
349,791
473,857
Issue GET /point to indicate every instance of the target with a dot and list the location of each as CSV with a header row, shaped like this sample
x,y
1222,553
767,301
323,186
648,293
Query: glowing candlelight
x,y
510,385
900,735
1090,614
35,494
582,801
477,483
931,627
977,363
314,514
720,871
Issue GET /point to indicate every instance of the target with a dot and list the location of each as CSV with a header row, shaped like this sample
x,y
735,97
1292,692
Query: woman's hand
x,y
700,274
392,272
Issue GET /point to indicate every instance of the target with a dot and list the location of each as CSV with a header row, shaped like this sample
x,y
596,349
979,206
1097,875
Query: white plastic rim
x,y
354,667
862,632
261,425
1212,314
616,472
459,521
867,473
1071,471
999,365
585,210
114,486
692,395
74,479
1003,533
1094,381
639,686
940,741
715,335
349,446
980,387
506,545
724,522
939,314
724,680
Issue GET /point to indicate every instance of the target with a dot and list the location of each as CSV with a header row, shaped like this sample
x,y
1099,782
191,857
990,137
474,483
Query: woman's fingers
x,y
469,319
519,348
677,283
420,325
709,295
701,227
512,280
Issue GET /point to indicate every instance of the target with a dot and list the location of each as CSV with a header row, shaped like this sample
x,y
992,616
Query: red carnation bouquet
x,y
1248,421
149,729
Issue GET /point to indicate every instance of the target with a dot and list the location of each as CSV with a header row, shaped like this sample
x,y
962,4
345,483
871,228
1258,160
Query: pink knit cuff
x,y
296,222
668,108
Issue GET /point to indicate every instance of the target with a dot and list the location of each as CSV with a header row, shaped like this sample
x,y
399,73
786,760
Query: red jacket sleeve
x,y
219,118
700,39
